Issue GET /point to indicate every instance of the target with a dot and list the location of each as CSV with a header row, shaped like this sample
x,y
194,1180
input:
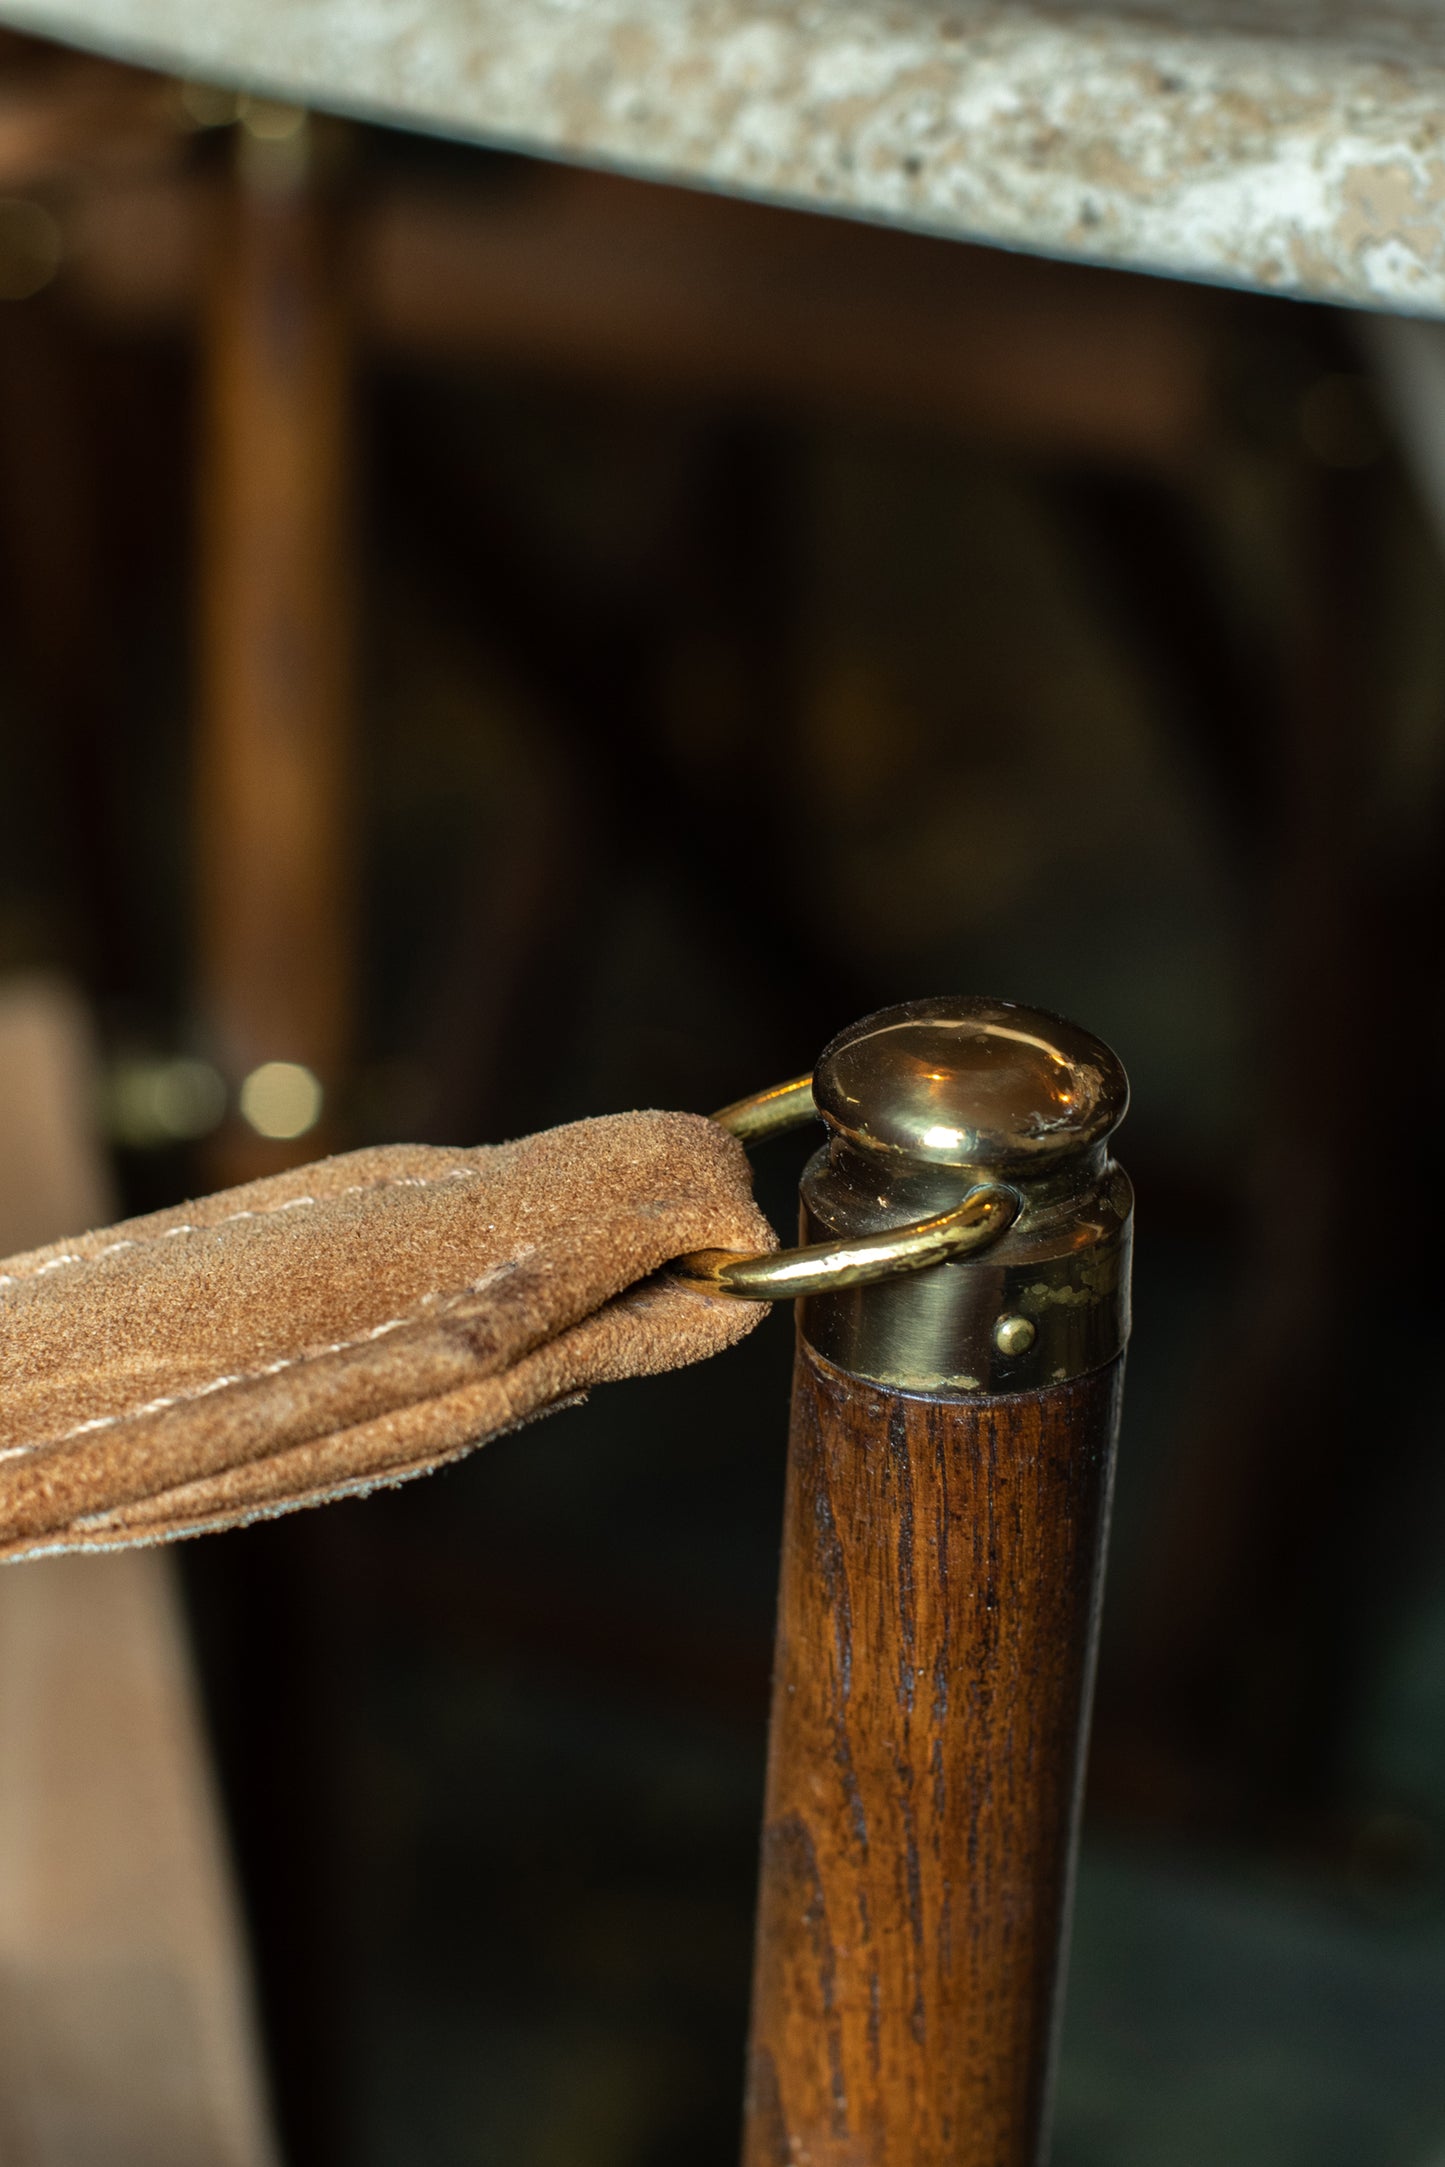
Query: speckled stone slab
x,y
1293,145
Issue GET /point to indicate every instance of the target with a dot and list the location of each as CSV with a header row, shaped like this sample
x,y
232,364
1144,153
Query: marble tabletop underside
x,y
1296,146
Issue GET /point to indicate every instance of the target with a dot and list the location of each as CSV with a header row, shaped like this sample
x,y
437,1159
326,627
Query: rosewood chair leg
x,y
947,1503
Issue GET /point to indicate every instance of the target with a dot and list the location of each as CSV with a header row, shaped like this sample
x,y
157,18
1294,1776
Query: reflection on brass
x,y
968,1084
767,1113
955,1127
984,1215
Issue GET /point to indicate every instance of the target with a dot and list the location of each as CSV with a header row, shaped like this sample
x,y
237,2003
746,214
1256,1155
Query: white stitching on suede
x,y
292,1203
271,1369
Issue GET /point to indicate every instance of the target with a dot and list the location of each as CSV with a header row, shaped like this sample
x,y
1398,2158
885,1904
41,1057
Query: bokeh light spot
x,y
281,1099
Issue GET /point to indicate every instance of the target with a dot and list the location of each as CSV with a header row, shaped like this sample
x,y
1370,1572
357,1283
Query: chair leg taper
x,y
942,1567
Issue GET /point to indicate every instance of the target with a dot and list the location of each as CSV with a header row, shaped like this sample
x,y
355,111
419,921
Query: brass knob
x,y
964,1227
923,1104
975,1084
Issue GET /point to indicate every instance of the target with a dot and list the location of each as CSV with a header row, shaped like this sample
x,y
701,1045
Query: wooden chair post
x,y
947,1503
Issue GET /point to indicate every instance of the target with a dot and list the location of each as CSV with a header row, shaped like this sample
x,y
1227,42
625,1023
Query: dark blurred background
x,y
483,643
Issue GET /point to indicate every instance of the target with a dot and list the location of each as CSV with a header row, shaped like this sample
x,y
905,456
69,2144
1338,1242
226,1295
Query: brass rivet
x,y
1014,1335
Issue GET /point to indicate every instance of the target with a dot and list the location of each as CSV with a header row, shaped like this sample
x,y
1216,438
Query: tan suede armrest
x,y
352,1323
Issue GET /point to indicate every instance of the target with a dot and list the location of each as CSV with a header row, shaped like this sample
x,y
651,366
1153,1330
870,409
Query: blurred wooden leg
x,y
125,2024
275,754
274,835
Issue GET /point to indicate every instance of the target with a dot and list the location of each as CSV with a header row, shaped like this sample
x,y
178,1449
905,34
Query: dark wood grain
x,y
941,1580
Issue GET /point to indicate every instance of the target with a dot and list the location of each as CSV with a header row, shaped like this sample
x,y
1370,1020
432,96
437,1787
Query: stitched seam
x,y
270,1369
292,1203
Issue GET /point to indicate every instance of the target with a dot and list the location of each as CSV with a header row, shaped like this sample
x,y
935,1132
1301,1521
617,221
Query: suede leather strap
x,y
351,1323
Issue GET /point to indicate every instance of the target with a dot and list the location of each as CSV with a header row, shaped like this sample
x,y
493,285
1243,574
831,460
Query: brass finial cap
x,y
970,1082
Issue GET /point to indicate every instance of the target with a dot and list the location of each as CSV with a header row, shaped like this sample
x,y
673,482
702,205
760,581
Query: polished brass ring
x,y
826,1267
768,1113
